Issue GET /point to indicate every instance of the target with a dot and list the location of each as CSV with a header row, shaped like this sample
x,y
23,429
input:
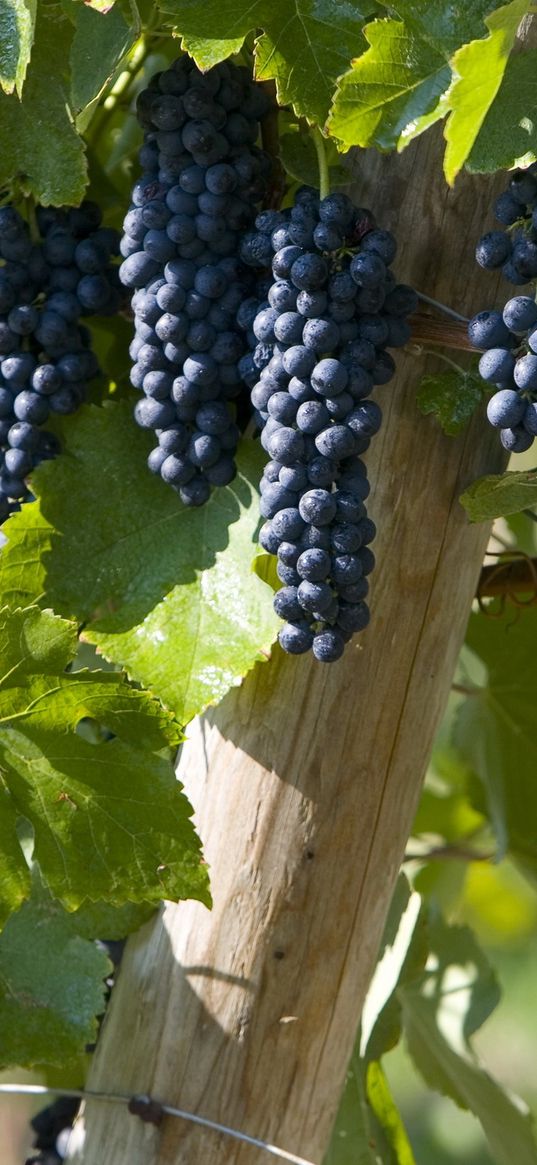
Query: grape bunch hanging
x,y
509,338
320,349
203,176
49,282
300,306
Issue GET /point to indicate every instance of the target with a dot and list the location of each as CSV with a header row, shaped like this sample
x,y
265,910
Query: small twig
x,y
449,853
463,690
139,1102
509,579
445,333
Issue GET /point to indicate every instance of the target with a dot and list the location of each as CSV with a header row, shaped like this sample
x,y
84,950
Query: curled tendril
x,y
497,582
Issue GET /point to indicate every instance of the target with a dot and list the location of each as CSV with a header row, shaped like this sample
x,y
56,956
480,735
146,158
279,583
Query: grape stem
x,y
324,174
448,311
440,356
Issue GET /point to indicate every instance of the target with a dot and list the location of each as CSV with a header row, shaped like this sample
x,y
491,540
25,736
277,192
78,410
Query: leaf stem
x,y
324,174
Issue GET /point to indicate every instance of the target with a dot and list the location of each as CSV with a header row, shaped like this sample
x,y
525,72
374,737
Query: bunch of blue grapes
x,y
508,338
509,362
318,350
50,279
514,249
202,177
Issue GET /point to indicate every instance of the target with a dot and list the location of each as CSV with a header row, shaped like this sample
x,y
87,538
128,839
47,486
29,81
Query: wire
x,y
169,1109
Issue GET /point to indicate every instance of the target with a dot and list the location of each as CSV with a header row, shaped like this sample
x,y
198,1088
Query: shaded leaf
x,y
100,920
164,590
452,397
299,158
508,135
51,985
456,992
495,729
14,873
478,68
109,819
99,44
39,146
420,125
351,1142
17,24
398,80
304,45
499,494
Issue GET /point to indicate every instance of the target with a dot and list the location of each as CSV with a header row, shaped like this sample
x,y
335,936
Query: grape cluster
x,y
509,362
202,175
51,1127
47,285
514,249
320,345
508,338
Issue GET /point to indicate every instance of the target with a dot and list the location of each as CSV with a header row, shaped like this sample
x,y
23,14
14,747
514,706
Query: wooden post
x,y
305,780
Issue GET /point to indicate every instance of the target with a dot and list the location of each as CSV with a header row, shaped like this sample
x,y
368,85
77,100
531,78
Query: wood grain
x,y
305,780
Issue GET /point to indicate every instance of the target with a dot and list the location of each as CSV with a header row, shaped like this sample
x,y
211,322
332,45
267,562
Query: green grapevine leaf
x,y
304,45
447,26
479,68
500,494
99,44
17,24
39,146
415,128
456,992
452,396
494,729
208,53
401,959
109,819
100,920
162,589
351,1142
368,1128
14,873
508,135
51,985
102,6
398,80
